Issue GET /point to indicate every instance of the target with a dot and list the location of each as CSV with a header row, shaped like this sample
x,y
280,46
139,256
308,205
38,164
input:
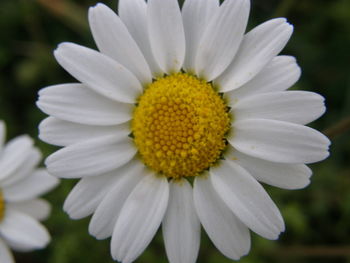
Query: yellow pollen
x,y
179,125
2,206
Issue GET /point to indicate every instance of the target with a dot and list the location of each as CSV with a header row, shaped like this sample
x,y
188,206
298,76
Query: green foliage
x,y
317,218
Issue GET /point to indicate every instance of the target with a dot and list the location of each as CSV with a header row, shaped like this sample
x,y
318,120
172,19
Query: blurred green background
x,y
317,218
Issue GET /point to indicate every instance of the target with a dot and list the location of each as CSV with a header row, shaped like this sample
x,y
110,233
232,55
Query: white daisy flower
x,y
176,119
21,183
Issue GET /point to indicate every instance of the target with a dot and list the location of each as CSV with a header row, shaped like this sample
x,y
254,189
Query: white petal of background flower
x,y
279,141
221,39
36,184
134,15
92,157
87,194
195,15
299,107
113,39
230,236
258,48
99,72
5,254
77,103
2,134
38,209
287,176
166,34
103,221
247,199
22,232
64,133
25,167
181,227
278,75
11,157
140,218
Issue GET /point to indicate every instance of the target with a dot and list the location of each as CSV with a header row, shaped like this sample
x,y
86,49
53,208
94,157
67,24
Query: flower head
x,y
174,97
21,184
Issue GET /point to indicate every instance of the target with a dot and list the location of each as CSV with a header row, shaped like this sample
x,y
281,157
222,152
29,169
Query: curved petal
x,y
103,221
195,15
77,103
279,74
287,176
181,227
113,39
247,199
22,232
227,232
14,154
2,134
87,194
89,158
166,34
39,183
5,253
63,133
299,107
279,141
221,39
26,168
257,49
134,15
140,218
39,209
98,72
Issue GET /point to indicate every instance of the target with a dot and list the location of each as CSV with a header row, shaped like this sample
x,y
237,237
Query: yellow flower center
x,y
2,206
179,125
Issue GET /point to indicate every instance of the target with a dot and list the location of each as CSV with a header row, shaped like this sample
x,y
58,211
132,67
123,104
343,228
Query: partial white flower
x,y
21,209
176,94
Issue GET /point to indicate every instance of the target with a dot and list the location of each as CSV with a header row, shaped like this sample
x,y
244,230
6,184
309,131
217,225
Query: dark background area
x,y
317,218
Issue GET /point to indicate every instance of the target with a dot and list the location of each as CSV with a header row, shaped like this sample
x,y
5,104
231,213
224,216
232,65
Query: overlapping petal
x,y
181,227
166,34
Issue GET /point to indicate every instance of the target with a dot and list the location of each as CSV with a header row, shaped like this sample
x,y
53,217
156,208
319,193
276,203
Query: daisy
x,y
21,183
175,121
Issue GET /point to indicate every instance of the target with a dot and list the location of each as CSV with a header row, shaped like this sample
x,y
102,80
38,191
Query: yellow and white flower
x,y
176,119
21,183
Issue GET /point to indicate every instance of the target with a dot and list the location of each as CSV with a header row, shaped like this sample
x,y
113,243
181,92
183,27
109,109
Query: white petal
x,y
287,176
299,107
166,34
22,232
77,103
279,74
247,199
25,169
39,209
103,221
140,218
279,141
221,39
90,158
99,72
181,227
134,15
88,193
2,134
64,133
5,253
227,232
195,15
14,154
113,39
257,49
39,183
